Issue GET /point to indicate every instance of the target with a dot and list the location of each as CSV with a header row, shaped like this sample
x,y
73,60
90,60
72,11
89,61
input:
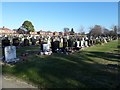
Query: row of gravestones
x,y
49,46
21,41
16,41
70,44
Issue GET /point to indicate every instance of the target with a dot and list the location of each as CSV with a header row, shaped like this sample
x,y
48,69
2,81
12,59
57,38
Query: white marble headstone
x,y
10,53
78,44
105,40
82,42
46,47
48,42
86,43
61,40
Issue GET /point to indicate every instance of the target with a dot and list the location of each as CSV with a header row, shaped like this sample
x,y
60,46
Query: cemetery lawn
x,y
92,67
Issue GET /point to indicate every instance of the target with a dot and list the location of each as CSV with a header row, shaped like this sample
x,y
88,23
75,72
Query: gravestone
x,y
26,42
86,41
105,41
22,41
40,41
48,42
55,46
64,43
5,42
15,41
94,41
10,54
33,40
82,42
70,43
77,44
41,45
45,49
61,40
91,42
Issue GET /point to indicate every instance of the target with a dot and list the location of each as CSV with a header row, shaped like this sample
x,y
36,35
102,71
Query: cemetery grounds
x,y
92,67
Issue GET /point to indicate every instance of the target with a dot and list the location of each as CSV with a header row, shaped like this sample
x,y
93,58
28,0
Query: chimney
x,y
3,26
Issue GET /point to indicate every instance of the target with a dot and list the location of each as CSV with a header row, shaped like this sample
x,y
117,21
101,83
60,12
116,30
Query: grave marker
x,y
5,42
10,54
15,42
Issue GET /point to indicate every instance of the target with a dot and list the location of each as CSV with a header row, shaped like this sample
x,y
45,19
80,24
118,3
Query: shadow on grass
x,y
105,55
67,71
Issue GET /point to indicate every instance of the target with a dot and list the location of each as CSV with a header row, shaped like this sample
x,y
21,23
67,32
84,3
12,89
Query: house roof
x,y
4,28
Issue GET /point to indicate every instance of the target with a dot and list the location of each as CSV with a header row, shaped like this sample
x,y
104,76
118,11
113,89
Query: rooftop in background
x,y
5,30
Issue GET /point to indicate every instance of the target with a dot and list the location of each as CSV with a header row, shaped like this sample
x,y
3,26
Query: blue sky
x,y
54,16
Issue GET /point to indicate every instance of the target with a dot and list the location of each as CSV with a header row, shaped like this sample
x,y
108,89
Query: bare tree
x,y
66,30
82,30
96,31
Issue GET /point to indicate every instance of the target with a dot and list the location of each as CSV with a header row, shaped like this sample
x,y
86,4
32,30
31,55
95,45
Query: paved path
x,y
11,82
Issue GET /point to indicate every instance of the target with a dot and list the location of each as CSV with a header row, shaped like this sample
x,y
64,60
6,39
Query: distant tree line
x,y
95,31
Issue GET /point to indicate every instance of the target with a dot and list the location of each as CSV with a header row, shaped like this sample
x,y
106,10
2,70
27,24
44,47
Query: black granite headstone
x,y
55,45
26,42
40,41
76,44
70,43
16,41
33,41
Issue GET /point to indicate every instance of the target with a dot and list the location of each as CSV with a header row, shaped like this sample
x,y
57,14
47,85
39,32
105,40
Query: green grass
x,y
84,69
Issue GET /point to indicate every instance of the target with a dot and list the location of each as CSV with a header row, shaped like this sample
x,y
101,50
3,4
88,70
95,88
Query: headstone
x,y
48,42
82,42
5,42
55,46
26,42
78,44
10,54
16,41
64,43
94,41
70,43
46,47
22,41
86,43
61,40
105,41
33,40
39,40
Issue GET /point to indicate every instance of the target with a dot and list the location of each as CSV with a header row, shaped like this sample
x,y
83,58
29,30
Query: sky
x,y
54,16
